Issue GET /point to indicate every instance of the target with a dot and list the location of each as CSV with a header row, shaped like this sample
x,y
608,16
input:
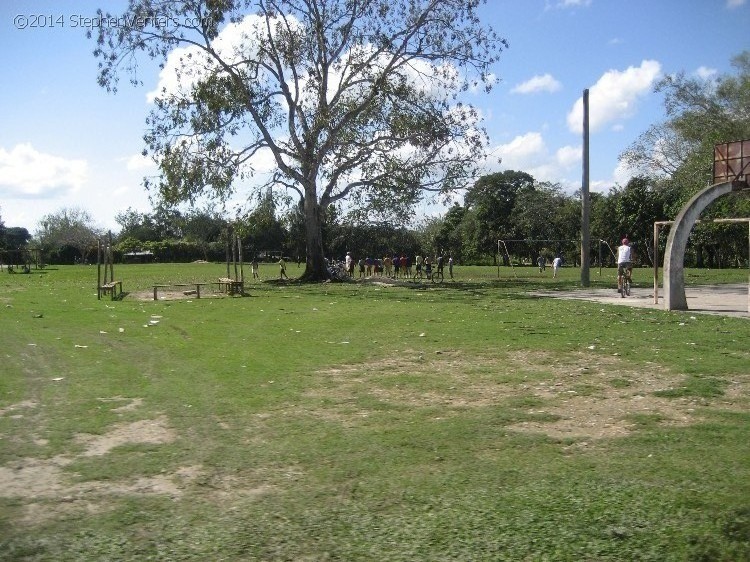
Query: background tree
x,y
541,214
449,238
136,225
2,234
16,238
493,197
700,114
263,229
70,226
352,100
428,235
637,206
14,242
203,227
677,155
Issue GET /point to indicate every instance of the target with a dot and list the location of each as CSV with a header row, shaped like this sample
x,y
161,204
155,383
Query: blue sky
x,y
66,142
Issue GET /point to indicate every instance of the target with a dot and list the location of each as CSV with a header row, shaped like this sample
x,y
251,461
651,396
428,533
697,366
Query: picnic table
x,y
232,286
197,286
114,288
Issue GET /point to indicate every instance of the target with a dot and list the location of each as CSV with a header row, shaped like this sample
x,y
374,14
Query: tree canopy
x,y
700,113
70,226
676,155
354,101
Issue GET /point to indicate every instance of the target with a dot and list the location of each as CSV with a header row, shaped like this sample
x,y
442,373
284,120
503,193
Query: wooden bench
x,y
232,286
114,288
196,285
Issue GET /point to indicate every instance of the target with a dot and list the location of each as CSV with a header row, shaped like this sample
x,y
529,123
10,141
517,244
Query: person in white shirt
x,y
556,264
624,262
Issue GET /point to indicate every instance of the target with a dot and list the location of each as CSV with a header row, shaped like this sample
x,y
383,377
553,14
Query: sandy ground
x,y
727,300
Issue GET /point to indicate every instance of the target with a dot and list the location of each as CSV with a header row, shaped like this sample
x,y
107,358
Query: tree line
x,y
673,160
531,218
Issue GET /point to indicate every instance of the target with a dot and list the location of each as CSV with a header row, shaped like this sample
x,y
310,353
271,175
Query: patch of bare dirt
x,y
143,431
48,490
578,395
174,294
14,410
130,405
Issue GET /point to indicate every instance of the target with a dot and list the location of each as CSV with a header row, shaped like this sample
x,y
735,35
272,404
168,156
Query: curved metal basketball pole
x,y
674,256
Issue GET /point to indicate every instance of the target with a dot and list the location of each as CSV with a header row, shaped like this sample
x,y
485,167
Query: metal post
x,y
111,260
229,236
585,279
235,243
239,254
656,263
498,259
98,269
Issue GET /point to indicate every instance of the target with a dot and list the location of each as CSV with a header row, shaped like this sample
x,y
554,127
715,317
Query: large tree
x,y
700,113
203,227
351,99
264,230
70,226
16,238
493,197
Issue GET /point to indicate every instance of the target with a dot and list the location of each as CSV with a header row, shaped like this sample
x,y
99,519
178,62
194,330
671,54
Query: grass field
x,y
363,421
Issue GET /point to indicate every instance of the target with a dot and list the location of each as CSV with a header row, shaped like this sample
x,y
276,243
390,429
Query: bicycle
x,y
437,276
626,282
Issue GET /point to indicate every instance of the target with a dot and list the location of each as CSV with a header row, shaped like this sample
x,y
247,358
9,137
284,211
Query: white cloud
x,y
120,191
522,152
185,66
622,174
732,4
26,173
600,186
544,83
565,4
262,162
139,162
569,156
614,96
239,41
705,72
529,152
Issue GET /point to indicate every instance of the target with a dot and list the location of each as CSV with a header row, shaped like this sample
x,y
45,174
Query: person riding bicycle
x,y
428,267
624,263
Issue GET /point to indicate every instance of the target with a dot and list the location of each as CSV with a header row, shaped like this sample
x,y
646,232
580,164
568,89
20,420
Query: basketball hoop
x,y
732,162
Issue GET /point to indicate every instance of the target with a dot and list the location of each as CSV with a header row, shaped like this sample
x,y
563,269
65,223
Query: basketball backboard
x,y
732,161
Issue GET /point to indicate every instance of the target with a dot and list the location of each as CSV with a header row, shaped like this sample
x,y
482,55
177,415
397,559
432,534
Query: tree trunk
x,y
315,266
699,256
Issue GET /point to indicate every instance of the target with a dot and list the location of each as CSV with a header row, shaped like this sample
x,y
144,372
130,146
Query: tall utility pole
x,y
585,200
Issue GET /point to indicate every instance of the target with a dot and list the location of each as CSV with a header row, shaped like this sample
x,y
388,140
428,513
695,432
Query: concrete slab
x,y
727,300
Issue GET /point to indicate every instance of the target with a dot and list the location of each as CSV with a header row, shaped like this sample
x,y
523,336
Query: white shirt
x,y
623,254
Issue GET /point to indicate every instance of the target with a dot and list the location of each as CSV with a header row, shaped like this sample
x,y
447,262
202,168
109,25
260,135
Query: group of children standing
x,y
396,266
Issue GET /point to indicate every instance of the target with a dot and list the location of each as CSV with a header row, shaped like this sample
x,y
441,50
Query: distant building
x,y
138,257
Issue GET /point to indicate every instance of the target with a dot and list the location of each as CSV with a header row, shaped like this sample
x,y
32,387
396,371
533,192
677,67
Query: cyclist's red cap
x,y
625,241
